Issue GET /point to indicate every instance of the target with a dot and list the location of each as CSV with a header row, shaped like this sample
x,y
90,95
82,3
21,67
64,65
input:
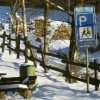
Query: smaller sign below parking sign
x,y
85,26
86,32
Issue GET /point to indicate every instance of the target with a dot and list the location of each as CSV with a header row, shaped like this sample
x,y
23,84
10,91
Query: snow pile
x,y
59,46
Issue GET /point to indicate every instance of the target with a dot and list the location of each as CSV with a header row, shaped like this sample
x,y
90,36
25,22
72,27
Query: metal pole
x,y
87,67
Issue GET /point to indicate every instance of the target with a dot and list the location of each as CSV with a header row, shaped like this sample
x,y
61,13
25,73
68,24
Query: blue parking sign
x,y
85,21
85,28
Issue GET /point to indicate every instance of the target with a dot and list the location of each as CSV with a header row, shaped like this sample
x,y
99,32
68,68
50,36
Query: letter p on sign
x,y
82,20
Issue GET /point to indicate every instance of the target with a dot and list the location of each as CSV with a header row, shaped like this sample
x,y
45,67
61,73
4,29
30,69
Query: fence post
x,y
3,44
26,49
98,38
43,62
96,74
67,71
32,54
9,43
18,46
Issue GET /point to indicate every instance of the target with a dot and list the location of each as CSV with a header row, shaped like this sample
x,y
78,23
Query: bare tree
x,y
24,26
46,11
15,20
14,6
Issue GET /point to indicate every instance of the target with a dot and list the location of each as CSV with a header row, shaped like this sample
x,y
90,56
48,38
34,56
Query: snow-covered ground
x,y
51,85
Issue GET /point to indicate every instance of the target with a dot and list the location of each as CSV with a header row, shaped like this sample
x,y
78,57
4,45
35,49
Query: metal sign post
x,y
87,67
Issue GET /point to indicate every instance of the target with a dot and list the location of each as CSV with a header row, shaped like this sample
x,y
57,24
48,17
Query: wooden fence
x,y
64,59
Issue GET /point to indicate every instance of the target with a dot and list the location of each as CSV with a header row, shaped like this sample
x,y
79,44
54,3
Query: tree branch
x,y
61,8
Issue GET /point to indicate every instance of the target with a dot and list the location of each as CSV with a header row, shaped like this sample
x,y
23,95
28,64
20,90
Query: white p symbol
x,y
82,19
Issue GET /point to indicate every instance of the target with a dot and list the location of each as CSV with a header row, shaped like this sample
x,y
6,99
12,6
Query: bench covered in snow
x,y
13,86
18,84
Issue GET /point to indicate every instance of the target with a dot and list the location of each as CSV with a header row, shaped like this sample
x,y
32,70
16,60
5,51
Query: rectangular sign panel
x,y
85,27
86,9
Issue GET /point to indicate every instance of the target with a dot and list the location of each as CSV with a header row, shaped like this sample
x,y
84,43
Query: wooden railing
x,y
64,59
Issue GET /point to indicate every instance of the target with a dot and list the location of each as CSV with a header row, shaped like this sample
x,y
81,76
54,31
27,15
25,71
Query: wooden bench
x,y
17,84
12,86
3,74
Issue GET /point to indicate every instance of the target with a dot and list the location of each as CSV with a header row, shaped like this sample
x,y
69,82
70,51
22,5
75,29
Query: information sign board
x,y
85,25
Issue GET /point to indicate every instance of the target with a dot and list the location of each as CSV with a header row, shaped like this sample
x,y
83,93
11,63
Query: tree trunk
x,y
72,50
17,32
73,46
24,27
46,11
68,11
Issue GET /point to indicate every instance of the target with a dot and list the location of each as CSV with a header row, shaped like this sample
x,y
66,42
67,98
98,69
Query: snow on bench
x,y
13,86
16,83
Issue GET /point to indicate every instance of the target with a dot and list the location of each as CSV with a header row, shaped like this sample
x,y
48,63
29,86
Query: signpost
x,y
85,30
